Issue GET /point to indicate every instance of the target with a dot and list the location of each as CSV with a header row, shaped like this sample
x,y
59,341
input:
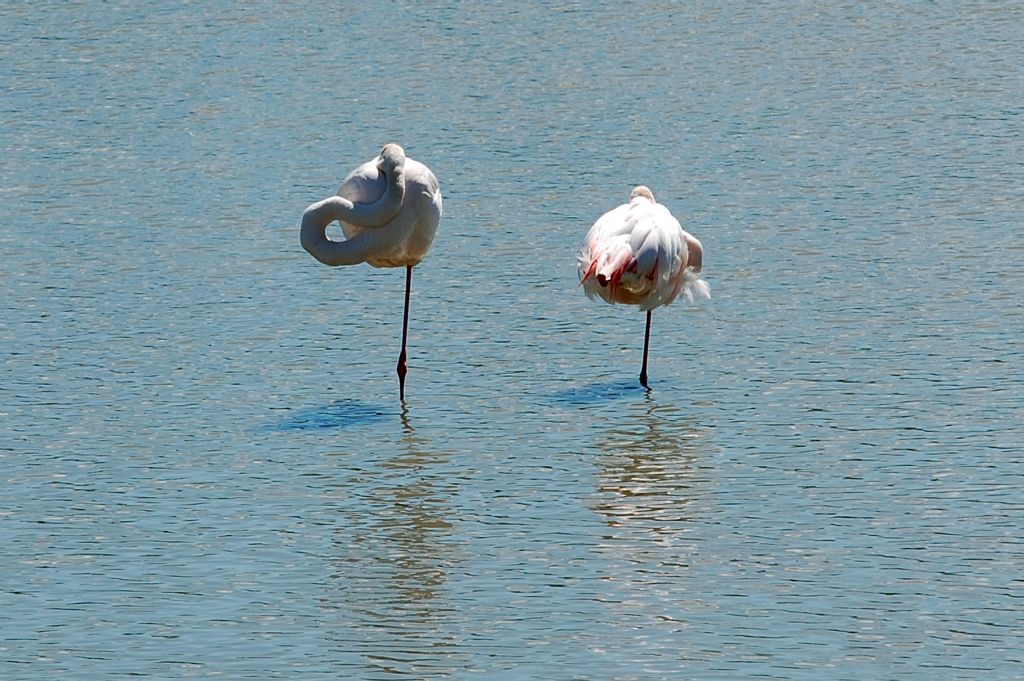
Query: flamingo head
x,y
642,191
391,159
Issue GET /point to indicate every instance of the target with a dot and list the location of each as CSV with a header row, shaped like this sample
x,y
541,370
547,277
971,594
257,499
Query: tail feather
x,y
694,288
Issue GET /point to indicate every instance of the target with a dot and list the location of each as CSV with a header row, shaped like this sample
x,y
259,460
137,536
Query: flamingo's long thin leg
x,y
402,368
647,344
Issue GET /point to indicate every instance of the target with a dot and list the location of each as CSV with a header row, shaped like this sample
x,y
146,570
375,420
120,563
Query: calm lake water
x,y
206,468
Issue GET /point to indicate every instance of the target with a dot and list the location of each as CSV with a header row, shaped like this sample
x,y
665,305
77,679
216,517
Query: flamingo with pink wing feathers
x,y
639,254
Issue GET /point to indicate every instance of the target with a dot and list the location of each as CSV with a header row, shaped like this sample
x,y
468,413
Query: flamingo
x,y
388,208
638,254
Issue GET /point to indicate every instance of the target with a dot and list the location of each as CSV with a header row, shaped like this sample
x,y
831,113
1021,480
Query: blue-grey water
x,y
206,470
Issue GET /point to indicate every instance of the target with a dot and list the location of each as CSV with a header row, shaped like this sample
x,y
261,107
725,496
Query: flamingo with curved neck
x,y
389,209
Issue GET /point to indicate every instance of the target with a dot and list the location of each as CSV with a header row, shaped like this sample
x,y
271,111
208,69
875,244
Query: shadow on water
x,y
339,414
595,393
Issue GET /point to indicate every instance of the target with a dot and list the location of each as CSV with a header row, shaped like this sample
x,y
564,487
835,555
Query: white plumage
x,y
639,254
389,208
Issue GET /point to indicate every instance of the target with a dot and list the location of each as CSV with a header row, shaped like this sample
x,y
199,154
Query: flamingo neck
x,y
316,218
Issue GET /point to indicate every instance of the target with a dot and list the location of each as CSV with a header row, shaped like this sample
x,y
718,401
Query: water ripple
x,y
206,470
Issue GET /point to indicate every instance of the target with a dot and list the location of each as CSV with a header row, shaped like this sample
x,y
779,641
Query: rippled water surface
x,y
207,471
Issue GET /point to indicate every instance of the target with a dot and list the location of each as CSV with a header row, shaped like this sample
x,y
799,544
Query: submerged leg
x,y
647,343
402,368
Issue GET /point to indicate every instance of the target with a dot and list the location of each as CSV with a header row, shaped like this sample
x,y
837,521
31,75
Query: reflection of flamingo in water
x,y
638,254
388,208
